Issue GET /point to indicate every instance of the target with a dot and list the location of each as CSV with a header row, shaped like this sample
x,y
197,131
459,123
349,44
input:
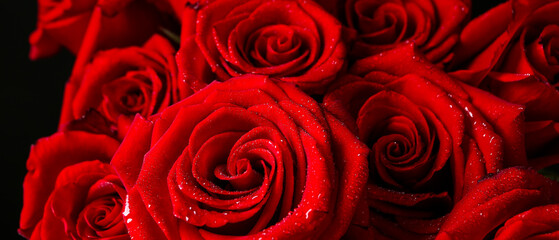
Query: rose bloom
x,y
301,44
86,203
64,23
122,82
380,25
47,159
245,157
511,51
431,138
516,203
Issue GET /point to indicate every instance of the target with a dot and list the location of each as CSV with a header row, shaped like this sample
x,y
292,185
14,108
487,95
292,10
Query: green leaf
x,y
551,172
171,35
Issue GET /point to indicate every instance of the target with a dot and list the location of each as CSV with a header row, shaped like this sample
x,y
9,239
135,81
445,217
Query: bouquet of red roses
x,y
299,119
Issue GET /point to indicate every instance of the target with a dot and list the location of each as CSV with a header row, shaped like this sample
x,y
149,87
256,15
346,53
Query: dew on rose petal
x,y
126,207
469,112
307,213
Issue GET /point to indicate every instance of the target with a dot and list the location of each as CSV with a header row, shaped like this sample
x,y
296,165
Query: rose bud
x,y
511,51
510,205
247,157
122,82
431,138
48,157
301,45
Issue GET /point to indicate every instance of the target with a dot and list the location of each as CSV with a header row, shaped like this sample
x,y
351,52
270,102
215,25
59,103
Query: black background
x,y
31,97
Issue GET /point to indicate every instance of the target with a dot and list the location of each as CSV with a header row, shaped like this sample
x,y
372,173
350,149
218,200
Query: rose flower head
x,y
245,157
431,138
512,51
292,41
122,82
45,185
434,26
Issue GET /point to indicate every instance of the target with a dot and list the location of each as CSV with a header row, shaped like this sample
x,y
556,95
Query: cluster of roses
x,y
357,119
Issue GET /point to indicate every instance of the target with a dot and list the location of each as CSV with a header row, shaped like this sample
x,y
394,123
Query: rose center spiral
x,y
274,45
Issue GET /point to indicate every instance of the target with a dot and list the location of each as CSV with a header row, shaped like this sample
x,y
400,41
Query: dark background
x,y
31,96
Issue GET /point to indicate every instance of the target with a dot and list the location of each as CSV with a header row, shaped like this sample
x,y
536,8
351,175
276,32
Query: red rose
x,y
301,45
515,197
434,26
120,83
511,51
244,157
64,23
86,203
47,159
431,137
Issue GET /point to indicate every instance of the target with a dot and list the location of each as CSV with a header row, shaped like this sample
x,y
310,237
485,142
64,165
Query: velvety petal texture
x,y
64,23
300,44
539,222
86,203
299,119
433,25
48,157
245,157
122,82
431,138
517,203
512,51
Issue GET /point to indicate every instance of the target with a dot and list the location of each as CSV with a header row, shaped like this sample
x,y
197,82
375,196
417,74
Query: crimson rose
x,y
64,23
512,51
245,157
434,26
301,44
122,82
431,138
86,203
48,157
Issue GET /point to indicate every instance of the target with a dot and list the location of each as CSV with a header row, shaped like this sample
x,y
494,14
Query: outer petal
x,y
495,200
539,222
48,157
